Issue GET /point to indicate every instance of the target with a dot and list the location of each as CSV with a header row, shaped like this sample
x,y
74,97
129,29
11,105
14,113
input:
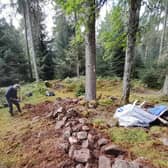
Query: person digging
x,y
12,98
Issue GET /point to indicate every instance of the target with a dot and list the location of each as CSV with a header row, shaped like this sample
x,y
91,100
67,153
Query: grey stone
x,y
124,164
85,144
75,101
71,123
71,151
104,162
74,134
85,128
96,153
89,165
67,132
112,149
83,155
112,123
60,110
50,115
92,104
73,140
77,127
102,141
82,135
60,116
83,120
79,166
35,119
71,110
68,124
71,113
64,146
54,114
59,124
64,119
90,138
164,141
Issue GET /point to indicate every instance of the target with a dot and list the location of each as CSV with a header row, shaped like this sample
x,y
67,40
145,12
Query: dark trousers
x,y
10,104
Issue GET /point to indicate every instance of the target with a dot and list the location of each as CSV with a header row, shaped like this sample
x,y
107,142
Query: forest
x,y
94,56
28,53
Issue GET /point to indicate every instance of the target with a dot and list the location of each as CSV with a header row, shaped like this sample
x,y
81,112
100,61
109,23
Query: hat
x,y
17,86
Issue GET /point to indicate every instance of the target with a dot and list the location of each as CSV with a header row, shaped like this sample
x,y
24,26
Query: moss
x,y
141,143
124,135
99,123
86,113
70,87
150,152
105,102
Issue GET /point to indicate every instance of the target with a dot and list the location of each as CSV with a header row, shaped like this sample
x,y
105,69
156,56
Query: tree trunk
x,y
90,54
161,57
77,51
165,86
27,43
134,9
31,41
77,68
146,53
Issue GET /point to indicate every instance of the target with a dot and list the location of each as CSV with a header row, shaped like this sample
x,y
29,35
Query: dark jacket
x,y
11,93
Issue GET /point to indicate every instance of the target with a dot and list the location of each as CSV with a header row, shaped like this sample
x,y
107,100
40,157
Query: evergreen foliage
x,y
13,64
112,37
61,56
67,47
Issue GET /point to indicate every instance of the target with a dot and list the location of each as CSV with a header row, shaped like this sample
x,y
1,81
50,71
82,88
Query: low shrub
x,y
152,78
80,89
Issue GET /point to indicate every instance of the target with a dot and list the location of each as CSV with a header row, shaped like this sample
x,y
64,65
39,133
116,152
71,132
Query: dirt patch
x,y
38,110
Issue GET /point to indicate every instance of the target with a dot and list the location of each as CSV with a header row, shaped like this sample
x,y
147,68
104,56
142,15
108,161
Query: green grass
x,y
105,102
142,143
128,135
99,123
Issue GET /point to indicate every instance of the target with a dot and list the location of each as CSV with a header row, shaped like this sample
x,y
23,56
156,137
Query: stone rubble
x,y
104,162
84,145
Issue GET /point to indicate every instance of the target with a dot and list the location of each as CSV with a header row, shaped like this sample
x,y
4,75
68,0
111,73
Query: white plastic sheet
x,y
133,115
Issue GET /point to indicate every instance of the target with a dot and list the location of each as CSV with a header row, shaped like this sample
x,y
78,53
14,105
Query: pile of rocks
x,y
85,145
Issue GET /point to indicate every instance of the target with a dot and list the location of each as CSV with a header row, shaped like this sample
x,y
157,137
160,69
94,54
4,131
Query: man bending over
x,y
11,97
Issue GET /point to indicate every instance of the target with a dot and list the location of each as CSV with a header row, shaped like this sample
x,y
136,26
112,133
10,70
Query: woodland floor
x,y
31,141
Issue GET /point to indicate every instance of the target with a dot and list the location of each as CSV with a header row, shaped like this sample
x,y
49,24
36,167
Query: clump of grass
x,y
105,102
68,80
2,96
151,152
99,123
164,98
158,131
124,135
70,87
36,88
86,113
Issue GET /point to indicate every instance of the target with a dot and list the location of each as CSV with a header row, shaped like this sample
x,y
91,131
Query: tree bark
x,y
161,57
165,86
90,54
134,9
77,50
31,41
27,43
77,68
